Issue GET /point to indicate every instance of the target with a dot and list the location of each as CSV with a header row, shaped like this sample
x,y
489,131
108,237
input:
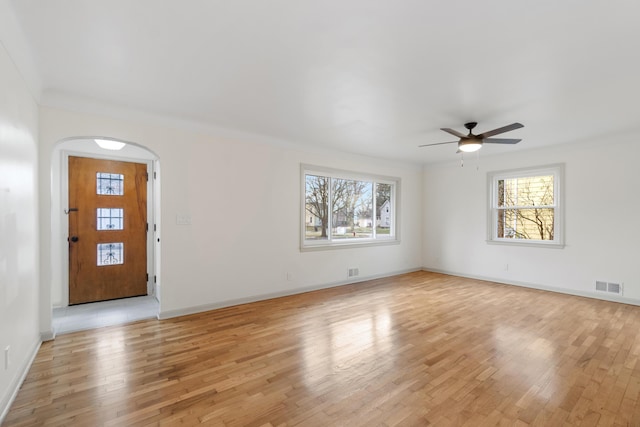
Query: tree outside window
x,y
526,208
526,205
339,209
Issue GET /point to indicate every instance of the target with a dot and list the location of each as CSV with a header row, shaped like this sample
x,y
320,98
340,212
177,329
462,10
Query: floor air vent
x,y
612,288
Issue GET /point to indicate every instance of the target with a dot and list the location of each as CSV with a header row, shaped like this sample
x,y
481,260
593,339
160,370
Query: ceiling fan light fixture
x,y
471,142
109,144
469,146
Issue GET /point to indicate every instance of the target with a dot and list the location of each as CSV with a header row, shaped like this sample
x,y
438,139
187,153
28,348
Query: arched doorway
x,y
66,317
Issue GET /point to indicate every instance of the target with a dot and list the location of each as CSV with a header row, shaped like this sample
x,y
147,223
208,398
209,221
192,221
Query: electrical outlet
x,y
289,276
506,267
6,357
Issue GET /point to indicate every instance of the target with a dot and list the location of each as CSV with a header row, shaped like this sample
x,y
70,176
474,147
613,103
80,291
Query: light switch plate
x,y
183,219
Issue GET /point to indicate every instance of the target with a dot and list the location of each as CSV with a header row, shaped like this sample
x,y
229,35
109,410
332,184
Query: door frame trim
x,y
64,223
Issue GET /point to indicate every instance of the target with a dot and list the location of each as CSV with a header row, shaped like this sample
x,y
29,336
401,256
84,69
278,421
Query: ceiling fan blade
x,y
501,141
503,129
454,132
437,143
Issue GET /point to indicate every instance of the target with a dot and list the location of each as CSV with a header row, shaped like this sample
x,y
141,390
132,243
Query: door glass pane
x,y
110,183
110,219
110,253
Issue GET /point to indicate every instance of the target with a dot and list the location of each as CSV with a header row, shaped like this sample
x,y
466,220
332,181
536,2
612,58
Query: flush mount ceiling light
x,y
109,144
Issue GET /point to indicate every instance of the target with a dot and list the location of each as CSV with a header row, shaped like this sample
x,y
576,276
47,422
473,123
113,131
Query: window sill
x,y
536,244
348,245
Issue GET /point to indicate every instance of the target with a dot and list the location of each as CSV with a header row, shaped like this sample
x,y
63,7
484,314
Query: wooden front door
x,y
107,229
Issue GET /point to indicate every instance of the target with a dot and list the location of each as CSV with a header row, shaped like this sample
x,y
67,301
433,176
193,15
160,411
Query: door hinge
x,y
154,227
154,175
154,279
147,229
147,277
147,175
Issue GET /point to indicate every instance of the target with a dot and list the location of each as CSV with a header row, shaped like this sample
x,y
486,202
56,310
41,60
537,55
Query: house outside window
x,y
525,206
342,208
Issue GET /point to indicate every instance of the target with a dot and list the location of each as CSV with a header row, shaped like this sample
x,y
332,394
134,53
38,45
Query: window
x,y
110,253
342,208
110,219
525,206
109,184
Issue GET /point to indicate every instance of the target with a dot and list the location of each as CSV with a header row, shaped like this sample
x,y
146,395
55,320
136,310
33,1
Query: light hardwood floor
x,y
416,349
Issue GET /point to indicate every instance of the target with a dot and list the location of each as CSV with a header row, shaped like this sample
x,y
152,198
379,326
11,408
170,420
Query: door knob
x,y
73,238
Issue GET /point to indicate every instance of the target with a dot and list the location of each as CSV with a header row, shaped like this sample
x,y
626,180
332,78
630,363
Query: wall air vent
x,y
615,288
609,287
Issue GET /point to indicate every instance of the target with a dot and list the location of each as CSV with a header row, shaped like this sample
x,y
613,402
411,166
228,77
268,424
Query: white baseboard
x,y
575,292
261,297
47,336
7,400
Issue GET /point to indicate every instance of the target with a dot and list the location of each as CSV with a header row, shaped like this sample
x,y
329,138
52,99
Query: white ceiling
x,y
364,76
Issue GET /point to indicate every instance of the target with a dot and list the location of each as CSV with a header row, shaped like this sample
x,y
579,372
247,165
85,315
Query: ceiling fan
x,y
470,143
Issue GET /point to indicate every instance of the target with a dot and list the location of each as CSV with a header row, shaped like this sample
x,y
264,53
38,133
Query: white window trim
x,y
314,245
557,170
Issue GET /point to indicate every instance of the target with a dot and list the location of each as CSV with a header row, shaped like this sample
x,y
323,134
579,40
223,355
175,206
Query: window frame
x,y
392,238
557,170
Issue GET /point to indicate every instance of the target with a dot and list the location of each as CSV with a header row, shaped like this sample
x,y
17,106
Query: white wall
x,y
244,201
602,208
19,304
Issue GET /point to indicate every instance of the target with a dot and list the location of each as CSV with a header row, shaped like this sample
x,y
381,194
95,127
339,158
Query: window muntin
x,y
110,219
525,206
110,254
345,208
111,184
